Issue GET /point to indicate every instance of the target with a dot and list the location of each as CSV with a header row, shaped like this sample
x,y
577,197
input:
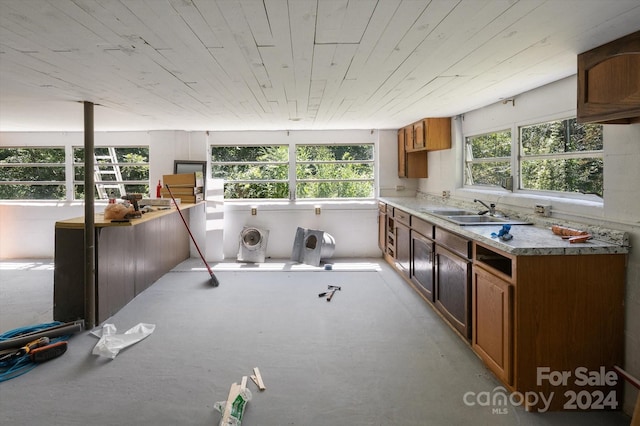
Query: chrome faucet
x,y
491,208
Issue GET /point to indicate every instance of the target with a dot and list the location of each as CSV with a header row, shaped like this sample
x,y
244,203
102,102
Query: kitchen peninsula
x,y
129,257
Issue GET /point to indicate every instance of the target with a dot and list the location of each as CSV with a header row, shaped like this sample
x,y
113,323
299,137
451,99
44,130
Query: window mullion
x,y
293,178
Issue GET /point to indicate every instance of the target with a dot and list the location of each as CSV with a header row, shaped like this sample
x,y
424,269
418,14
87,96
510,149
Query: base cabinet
x,y
492,301
563,314
403,243
382,227
558,313
422,261
453,278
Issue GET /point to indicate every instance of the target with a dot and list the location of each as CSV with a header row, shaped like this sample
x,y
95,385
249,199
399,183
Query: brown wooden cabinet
x,y
432,134
402,240
609,82
557,312
453,279
422,257
410,164
382,227
128,259
418,136
492,319
415,140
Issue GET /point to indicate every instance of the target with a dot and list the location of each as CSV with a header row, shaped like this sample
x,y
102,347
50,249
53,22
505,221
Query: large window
x,y
559,155
32,173
562,155
295,172
117,171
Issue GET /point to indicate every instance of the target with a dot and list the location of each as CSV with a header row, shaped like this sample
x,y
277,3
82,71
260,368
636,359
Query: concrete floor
x,y
377,354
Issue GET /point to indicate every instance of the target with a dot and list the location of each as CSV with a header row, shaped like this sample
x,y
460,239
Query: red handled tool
x,y
214,280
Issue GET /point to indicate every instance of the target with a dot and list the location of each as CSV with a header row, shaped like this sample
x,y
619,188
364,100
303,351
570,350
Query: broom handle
x,y
189,231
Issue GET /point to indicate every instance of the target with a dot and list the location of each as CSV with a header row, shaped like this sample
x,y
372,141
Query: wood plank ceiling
x,y
278,64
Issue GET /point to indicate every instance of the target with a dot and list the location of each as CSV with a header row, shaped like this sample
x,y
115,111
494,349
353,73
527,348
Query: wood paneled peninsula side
x,y
129,257
531,308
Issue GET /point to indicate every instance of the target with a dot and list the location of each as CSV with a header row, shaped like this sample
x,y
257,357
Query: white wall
x,y
353,225
619,209
27,229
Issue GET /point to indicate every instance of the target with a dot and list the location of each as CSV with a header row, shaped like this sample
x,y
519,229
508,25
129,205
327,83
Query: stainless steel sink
x,y
469,218
484,220
452,212
478,219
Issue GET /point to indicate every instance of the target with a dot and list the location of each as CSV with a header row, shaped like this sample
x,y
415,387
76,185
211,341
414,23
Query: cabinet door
x,y
382,231
492,339
437,133
452,295
418,135
403,248
609,82
408,137
402,156
422,254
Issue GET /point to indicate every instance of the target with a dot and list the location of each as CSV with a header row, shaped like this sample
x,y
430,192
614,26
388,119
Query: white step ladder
x,y
107,165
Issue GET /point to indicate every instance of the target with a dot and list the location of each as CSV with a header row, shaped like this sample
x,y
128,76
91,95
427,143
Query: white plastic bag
x,y
110,343
233,408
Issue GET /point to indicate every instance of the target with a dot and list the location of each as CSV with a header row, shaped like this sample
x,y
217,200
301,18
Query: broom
x,y
214,280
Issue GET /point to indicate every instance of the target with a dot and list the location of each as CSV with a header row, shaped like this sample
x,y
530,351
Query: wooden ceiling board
x,y
336,86
382,15
193,18
302,20
343,21
381,63
240,64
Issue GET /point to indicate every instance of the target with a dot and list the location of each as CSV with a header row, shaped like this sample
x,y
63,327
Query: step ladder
x,y
107,165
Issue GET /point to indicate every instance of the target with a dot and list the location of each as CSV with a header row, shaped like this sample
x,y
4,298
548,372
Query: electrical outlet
x,y
446,194
400,188
542,210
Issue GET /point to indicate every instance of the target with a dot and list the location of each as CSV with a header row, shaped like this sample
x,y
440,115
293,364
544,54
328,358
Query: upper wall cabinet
x,y
609,82
429,134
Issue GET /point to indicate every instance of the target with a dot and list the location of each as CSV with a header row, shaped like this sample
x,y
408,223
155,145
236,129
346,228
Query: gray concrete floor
x,y
377,354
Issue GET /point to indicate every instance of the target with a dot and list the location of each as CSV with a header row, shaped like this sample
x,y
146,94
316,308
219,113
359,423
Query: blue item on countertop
x,y
504,234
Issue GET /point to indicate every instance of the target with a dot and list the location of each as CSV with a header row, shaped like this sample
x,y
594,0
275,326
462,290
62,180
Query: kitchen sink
x,y
484,220
452,212
477,218
469,218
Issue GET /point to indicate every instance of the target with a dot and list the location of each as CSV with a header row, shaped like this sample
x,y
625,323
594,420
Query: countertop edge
x,y
100,222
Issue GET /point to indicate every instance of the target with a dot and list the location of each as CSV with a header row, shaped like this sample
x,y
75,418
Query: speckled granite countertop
x,y
528,240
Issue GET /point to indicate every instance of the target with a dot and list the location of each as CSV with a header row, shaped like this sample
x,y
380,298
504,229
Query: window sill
x,y
275,205
569,206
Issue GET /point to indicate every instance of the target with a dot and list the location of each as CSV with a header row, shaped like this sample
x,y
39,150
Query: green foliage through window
x,y
562,155
321,171
32,173
488,158
117,170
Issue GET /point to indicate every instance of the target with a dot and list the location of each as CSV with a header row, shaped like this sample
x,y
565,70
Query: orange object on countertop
x,y
564,231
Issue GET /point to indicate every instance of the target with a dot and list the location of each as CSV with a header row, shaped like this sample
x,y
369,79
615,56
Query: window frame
x,y
517,158
292,178
556,156
61,183
80,183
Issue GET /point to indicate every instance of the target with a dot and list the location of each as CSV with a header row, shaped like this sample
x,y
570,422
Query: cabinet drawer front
x,y
401,216
453,242
421,226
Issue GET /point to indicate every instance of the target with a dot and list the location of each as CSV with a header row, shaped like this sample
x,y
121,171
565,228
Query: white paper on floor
x,y
110,343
